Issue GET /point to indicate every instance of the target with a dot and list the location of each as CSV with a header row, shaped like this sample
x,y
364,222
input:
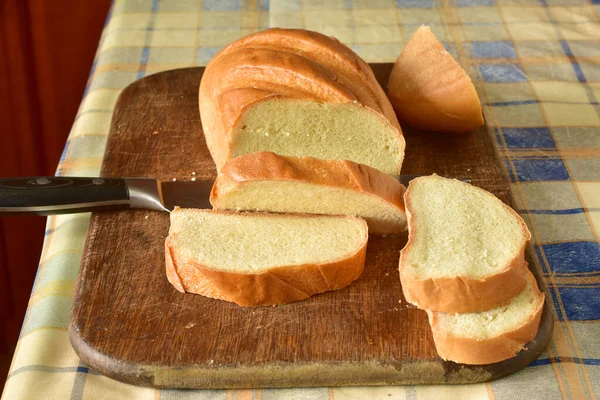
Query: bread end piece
x,y
430,90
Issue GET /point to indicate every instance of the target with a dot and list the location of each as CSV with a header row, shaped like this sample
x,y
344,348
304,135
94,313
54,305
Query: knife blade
x,y
50,195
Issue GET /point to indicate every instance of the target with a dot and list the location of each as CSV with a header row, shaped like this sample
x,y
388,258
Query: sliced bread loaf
x,y
297,93
429,89
489,336
265,181
465,249
256,259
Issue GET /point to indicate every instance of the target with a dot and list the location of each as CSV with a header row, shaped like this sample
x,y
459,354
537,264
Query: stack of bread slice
x,y
317,104
465,264
267,257
304,138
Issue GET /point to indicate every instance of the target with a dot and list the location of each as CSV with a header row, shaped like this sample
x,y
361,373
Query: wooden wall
x,y
46,53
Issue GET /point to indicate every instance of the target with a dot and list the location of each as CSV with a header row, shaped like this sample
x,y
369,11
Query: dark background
x,y
46,52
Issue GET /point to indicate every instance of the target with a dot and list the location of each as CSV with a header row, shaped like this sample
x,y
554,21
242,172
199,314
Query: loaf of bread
x,y
465,250
265,181
429,89
256,259
297,93
489,336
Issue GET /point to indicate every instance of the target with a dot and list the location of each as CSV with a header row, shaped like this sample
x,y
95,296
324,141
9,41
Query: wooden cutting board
x,y
129,323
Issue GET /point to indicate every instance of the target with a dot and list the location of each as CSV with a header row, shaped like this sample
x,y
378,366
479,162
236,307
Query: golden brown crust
x,y
486,351
287,63
172,275
351,70
217,138
276,286
430,90
343,174
276,71
461,294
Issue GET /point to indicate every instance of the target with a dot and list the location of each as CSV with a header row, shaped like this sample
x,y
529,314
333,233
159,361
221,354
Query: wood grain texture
x,y
129,323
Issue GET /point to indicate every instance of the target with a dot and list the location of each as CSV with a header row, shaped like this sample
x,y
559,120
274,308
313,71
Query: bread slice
x,y
489,336
465,250
297,93
257,259
265,181
429,89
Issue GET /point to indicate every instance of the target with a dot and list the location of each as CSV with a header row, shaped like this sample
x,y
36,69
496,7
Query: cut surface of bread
x,y
465,250
300,93
265,181
262,259
321,130
429,89
489,336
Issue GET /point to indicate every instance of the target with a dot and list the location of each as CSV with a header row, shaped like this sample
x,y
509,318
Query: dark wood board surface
x,y
129,323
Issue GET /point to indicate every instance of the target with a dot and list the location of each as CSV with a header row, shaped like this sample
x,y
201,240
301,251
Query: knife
x,y
50,195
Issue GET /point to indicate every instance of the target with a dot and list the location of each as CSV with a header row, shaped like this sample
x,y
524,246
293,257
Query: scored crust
x,y
278,285
352,71
343,174
462,294
255,68
490,350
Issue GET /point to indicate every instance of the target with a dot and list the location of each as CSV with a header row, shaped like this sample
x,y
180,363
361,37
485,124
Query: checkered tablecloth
x,y
536,66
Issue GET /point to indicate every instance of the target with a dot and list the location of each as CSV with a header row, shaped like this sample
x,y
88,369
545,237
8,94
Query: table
x,y
536,67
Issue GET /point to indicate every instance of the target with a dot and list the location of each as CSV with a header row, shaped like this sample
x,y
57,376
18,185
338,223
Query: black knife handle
x,y
47,195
